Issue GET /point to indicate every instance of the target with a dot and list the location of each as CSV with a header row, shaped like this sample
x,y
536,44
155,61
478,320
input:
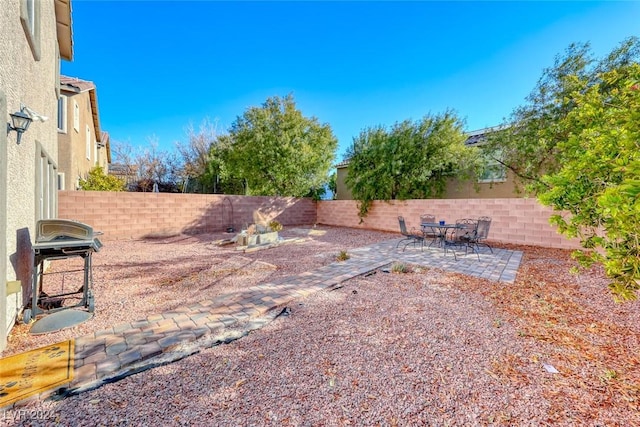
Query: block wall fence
x,y
519,221
136,215
122,215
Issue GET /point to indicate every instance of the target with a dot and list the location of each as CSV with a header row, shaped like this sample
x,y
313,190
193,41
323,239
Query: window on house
x,y
61,181
88,143
493,171
62,114
46,185
30,20
76,116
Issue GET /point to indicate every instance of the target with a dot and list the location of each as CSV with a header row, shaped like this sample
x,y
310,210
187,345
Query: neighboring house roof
x,y
129,173
122,169
63,27
476,139
479,136
76,85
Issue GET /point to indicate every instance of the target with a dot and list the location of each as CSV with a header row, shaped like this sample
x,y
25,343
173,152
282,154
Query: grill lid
x,y
48,230
64,236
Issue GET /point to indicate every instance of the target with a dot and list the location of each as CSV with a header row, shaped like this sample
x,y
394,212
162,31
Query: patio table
x,y
442,229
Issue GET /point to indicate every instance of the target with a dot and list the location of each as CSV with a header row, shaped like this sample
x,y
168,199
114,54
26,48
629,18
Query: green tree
x,y
278,150
333,184
576,145
528,141
97,180
412,160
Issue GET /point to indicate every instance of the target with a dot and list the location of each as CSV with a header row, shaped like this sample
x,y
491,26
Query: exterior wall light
x,y
20,122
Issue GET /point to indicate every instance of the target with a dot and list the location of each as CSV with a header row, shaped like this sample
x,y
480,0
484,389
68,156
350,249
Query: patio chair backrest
x,y
403,226
484,223
429,232
427,218
467,229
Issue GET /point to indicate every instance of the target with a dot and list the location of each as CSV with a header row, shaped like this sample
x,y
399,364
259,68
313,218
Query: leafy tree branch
x,y
576,146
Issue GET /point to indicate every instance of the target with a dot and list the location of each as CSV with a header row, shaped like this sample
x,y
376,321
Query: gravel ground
x,y
421,348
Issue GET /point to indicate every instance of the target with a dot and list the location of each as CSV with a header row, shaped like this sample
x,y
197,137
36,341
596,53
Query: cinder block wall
x,y
515,220
133,215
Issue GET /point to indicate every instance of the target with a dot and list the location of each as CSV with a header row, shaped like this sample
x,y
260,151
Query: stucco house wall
x,y
74,163
342,191
29,70
104,152
457,189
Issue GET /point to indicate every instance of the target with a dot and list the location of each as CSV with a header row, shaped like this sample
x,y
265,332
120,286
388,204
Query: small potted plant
x,y
275,225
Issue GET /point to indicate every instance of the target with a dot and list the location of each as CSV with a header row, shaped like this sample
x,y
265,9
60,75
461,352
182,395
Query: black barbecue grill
x,y
58,239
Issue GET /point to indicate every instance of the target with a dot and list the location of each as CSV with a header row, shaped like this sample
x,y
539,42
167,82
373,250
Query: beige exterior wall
x,y
103,159
32,80
342,191
72,149
481,190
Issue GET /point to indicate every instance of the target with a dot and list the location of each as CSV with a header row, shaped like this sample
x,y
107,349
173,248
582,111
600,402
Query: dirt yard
x,y
420,348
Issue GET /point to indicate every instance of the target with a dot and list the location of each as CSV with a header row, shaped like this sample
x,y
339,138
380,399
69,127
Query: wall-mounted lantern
x,y
20,122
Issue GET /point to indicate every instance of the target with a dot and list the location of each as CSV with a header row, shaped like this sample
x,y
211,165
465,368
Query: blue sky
x,y
160,65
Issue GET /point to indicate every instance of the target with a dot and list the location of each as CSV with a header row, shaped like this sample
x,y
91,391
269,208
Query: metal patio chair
x,y
409,236
429,232
462,236
482,232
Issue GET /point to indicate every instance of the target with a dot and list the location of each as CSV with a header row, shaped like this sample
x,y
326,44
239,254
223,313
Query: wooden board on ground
x,y
37,371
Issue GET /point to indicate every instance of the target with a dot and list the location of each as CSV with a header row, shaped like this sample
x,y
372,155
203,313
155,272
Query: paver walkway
x,y
114,353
